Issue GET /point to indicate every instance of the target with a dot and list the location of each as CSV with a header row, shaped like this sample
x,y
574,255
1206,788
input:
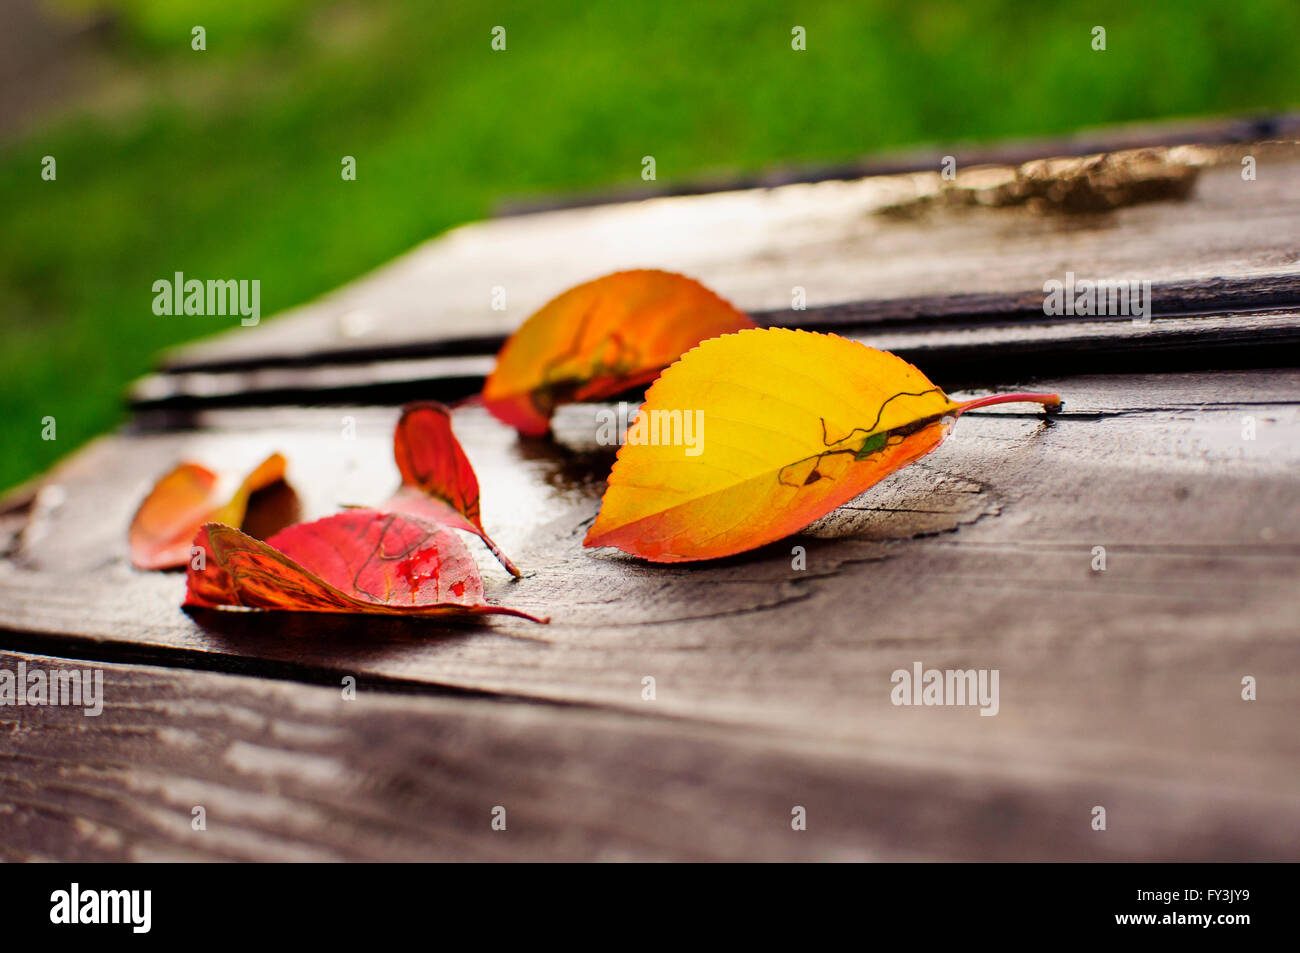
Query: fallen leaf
x,y
163,528
788,425
360,561
600,338
438,481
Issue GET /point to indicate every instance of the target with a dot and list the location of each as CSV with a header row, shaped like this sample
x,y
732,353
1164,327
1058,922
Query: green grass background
x,y
225,163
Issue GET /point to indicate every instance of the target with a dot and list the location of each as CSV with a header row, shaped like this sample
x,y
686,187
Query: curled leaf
x,y
361,561
785,426
163,528
438,481
600,338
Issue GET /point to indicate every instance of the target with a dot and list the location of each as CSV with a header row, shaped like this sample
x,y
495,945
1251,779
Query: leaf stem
x,y
501,557
1049,401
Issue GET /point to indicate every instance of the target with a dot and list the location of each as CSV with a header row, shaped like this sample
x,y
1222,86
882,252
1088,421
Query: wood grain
x,y
285,771
1222,132
982,349
1120,688
755,246
979,557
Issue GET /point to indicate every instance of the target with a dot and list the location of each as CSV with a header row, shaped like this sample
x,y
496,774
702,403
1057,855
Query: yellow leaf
x,y
752,436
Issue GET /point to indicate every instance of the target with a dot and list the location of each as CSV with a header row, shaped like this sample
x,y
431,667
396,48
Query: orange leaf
x,y
163,528
359,561
438,481
600,338
785,426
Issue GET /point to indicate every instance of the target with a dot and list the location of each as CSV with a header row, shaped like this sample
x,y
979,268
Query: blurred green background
x,y
225,163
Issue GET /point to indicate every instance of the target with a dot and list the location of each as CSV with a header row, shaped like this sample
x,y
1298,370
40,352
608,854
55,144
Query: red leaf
x,y
438,481
360,561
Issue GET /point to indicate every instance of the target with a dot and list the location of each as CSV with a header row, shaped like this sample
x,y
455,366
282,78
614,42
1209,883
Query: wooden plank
x,y
773,684
285,771
837,240
992,347
978,557
928,158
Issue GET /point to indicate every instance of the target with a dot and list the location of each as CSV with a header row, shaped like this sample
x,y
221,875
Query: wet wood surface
x,y
1176,454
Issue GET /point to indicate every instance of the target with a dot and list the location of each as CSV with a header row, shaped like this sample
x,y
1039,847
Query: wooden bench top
x,y
1119,688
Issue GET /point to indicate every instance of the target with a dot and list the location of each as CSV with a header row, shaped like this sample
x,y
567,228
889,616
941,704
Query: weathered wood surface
x,y
1199,132
755,246
286,771
1119,687
979,557
977,352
